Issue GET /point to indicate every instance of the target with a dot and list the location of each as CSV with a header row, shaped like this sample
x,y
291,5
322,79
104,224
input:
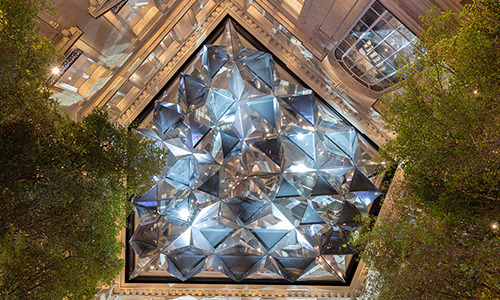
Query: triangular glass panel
x,y
336,157
311,217
360,183
305,105
198,69
166,116
303,182
219,102
144,265
269,237
347,217
337,245
294,159
286,190
295,206
211,186
147,215
322,187
316,235
183,211
262,65
165,190
192,91
245,53
240,265
198,131
214,57
268,183
244,207
228,142
289,119
346,138
271,147
295,266
154,134
184,171
367,197
216,235
258,163
230,40
144,241
266,106
221,79
306,141
243,126
241,242
324,262
148,199
236,84
275,267
186,264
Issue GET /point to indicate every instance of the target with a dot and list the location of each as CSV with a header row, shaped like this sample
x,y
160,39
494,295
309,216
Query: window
x,y
137,14
372,47
263,12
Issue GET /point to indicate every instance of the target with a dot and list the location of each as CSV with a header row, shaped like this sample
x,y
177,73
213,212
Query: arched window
x,y
370,50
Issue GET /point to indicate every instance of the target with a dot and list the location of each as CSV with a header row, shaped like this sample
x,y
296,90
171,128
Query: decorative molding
x,y
334,94
70,36
142,50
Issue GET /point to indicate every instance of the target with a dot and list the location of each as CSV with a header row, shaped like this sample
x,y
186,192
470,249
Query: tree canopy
x,y
64,185
441,239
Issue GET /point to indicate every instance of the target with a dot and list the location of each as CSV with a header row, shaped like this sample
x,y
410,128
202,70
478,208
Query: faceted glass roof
x,y
262,181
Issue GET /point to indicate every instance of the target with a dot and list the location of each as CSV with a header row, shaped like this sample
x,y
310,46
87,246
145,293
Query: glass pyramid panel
x,y
262,179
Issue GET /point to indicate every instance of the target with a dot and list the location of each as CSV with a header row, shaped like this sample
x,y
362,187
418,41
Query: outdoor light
x,y
55,71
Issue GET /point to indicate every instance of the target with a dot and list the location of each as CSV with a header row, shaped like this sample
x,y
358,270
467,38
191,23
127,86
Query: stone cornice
x,y
142,49
335,93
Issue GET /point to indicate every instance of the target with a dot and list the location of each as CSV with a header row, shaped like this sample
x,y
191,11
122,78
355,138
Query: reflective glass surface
x,y
262,179
377,40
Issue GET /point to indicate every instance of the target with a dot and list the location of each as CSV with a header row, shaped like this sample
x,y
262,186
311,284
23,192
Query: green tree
x,y
64,185
446,113
414,256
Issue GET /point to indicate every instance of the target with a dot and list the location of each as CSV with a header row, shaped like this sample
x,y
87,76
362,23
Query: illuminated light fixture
x,y
261,178
55,70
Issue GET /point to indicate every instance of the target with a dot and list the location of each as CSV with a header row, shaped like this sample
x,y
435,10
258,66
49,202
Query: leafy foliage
x,y
439,242
414,256
64,185
447,117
